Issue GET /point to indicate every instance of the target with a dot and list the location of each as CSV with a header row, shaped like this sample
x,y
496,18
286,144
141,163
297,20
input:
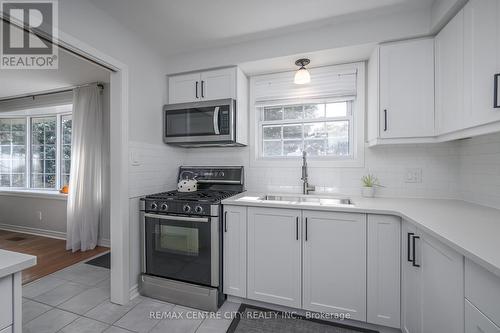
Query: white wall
x,y
479,174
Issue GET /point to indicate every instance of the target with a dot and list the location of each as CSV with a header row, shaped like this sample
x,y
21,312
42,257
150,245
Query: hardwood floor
x,y
51,253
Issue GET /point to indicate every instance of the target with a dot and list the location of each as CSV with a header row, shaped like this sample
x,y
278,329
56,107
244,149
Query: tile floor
x,y
76,299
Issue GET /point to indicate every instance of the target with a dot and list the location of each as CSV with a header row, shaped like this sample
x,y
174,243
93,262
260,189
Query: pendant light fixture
x,y
302,76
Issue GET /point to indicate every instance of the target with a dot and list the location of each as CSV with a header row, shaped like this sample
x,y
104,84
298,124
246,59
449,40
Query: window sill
x,y
54,195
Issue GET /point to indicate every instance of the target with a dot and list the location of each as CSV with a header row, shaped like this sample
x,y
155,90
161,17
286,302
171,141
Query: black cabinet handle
x,y
225,221
196,89
306,229
202,89
297,228
414,261
385,120
409,250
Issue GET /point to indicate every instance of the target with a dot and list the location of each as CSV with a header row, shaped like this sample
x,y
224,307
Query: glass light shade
x,y
302,76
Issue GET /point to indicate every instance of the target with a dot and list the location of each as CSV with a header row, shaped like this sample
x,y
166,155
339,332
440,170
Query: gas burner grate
x,y
202,196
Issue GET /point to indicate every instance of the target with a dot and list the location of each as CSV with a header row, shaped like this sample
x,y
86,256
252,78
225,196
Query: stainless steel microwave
x,y
201,124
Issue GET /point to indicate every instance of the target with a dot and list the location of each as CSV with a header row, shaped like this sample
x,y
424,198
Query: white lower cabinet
x,y
235,251
6,305
383,270
477,322
433,284
334,263
274,256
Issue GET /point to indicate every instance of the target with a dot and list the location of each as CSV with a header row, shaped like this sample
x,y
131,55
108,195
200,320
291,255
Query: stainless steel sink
x,y
308,199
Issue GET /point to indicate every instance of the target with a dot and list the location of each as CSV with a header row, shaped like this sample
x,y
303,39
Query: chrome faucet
x,y
306,187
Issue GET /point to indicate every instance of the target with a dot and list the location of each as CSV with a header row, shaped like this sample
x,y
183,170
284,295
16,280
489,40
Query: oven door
x,y
182,248
211,121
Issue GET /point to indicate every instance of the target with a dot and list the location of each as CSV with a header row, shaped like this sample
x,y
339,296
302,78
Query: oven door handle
x,y
177,218
216,120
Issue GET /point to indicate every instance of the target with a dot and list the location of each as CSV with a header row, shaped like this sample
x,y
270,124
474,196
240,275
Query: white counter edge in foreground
x,y
13,262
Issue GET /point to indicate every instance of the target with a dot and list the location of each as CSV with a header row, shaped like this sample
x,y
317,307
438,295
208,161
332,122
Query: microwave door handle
x,y
216,120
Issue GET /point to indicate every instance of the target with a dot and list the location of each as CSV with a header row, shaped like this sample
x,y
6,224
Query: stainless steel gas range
x,y
181,238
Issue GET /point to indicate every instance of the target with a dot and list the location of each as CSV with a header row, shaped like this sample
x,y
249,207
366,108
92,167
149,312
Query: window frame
x,y
358,108
349,117
28,158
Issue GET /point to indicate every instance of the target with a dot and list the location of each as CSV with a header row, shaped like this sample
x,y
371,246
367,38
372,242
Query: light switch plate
x,y
413,175
134,159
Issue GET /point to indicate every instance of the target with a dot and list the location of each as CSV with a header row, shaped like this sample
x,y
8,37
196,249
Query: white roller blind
x,y
327,84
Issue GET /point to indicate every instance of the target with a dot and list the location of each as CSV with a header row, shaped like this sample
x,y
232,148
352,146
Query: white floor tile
x,y
41,286
85,301
32,309
61,293
114,329
138,319
84,325
109,312
84,274
186,322
49,322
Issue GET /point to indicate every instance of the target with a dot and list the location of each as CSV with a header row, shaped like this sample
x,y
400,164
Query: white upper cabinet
x,y
235,251
449,76
481,60
274,256
184,88
407,89
334,263
203,86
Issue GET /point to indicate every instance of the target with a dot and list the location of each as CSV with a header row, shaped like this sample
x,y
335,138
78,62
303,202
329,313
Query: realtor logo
x,y
28,32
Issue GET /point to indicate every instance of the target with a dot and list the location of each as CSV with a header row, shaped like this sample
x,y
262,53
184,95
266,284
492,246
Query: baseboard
x,y
46,233
33,231
134,291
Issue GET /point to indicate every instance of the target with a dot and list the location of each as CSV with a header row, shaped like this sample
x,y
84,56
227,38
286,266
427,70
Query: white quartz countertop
x,y
472,230
12,262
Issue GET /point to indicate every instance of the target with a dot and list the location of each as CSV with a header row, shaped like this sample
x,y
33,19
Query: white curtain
x,y
85,184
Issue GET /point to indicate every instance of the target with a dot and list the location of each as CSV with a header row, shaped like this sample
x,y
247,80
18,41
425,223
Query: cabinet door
x,y
383,276
449,49
407,89
476,322
274,256
482,30
410,282
334,264
235,251
6,305
218,84
184,88
442,273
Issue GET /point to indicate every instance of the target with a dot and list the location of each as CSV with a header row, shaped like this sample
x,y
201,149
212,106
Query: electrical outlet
x,y
413,175
39,215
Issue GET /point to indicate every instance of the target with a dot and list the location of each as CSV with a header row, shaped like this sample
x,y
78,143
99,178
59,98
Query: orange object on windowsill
x,y
64,189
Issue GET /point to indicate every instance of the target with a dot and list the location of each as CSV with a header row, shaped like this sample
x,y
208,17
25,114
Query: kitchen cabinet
x,y
274,256
433,283
235,251
334,263
481,60
401,92
449,44
6,306
383,270
203,85
477,322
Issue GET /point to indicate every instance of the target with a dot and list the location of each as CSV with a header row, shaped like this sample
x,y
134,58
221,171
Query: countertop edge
x,y
20,262
349,209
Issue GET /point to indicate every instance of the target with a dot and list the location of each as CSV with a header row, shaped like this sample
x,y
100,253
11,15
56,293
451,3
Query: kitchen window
x,y
35,149
321,129
325,118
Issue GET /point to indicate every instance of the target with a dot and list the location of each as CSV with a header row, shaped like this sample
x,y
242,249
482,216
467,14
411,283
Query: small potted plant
x,y
369,184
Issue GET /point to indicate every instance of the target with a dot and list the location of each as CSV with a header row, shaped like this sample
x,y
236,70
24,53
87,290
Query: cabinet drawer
x,y
6,313
476,322
482,289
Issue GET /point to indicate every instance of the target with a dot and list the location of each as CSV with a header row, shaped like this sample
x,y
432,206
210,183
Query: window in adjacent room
x,y
35,148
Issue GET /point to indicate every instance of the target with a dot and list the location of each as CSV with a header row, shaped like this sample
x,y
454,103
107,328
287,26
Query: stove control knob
x,y
164,207
186,208
154,206
198,209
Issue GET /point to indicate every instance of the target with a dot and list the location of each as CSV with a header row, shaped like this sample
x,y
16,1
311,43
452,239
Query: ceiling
x,y
179,26
72,71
